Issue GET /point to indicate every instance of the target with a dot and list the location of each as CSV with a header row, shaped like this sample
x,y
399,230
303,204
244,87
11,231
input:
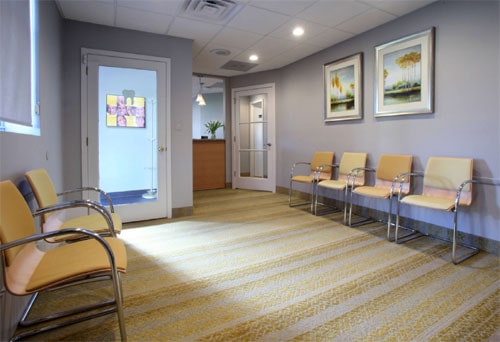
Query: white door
x,y
125,116
253,118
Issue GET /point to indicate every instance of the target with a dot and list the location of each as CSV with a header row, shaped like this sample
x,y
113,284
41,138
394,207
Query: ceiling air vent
x,y
238,66
219,11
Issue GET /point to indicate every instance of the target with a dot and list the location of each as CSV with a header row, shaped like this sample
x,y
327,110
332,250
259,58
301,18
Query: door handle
x,y
161,149
269,144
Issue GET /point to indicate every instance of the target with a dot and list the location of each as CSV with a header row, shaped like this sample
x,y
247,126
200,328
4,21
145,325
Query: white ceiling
x,y
262,27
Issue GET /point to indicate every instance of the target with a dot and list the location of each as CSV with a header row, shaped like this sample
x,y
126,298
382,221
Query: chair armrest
x,y
292,169
319,169
401,179
47,235
77,204
356,171
479,180
90,188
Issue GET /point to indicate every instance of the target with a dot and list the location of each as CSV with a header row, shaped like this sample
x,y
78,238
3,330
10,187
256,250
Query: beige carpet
x,y
246,267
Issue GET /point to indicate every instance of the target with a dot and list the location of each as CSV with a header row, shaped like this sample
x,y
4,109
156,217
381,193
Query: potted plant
x,y
212,127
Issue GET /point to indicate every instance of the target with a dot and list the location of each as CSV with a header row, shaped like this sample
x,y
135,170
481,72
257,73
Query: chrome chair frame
x,y
89,204
455,210
290,190
90,188
315,190
413,234
101,209
347,187
116,302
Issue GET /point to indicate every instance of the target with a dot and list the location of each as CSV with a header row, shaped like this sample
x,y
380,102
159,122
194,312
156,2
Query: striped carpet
x,y
246,267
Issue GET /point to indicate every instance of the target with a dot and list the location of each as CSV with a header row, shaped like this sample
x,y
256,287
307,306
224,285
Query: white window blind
x,y
15,62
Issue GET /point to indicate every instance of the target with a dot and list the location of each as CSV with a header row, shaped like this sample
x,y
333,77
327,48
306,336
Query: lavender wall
x,y
465,123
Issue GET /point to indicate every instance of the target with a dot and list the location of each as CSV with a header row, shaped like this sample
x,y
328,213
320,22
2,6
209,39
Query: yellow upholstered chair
x,y
387,173
104,222
27,270
348,162
317,170
447,185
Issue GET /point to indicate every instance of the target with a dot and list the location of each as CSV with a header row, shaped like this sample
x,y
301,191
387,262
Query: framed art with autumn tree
x,y
343,89
404,75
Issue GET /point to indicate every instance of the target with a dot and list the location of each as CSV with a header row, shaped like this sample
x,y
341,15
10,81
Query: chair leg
x,y
313,190
107,306
473,249
345,204
315,212
119,301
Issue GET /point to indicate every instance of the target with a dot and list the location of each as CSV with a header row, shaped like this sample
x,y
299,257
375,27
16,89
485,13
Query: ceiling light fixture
x,y
253,58
298,31
220,52
199,98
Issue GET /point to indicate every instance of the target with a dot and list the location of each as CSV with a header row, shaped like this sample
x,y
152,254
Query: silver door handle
x,y
161,149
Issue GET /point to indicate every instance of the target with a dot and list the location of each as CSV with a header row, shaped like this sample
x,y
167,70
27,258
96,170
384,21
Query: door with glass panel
x,y
124,124
253,138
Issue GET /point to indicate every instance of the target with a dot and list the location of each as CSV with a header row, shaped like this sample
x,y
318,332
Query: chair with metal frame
x,y
318,169
348,162
106,224
27,270
387,178
447,186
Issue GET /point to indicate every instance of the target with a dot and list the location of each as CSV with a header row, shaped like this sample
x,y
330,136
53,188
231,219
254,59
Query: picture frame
x,y
124,111
343,89
404,75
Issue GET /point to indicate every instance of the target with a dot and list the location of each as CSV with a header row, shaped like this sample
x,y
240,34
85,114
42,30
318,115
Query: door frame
x,y
84,115
253,183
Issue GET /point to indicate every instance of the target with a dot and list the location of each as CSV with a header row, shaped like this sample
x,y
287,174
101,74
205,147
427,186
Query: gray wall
x,y
20,153
466,121
78,35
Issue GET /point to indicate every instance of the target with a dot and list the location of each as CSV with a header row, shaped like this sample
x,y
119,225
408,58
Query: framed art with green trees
x,y
343,88
404,75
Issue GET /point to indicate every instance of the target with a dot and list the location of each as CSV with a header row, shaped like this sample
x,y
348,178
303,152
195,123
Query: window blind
x,y
15,62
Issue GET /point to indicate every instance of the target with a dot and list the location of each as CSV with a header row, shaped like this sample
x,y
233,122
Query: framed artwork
x,y
404,75
343,89
124,111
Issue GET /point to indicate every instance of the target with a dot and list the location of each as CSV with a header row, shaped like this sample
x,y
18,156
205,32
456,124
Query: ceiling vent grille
x,y
219,11
238,66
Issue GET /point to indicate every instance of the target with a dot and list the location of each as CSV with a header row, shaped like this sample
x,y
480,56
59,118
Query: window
x,y
19,31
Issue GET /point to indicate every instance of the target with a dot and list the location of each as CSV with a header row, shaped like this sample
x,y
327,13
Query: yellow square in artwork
x,y
130,121
110,120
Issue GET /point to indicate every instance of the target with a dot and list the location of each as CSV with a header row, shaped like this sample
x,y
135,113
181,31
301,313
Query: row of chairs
x,y
66,252
447,185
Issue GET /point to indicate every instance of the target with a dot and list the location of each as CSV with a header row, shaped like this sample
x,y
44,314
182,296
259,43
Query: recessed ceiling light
x,y
298,31
253,58
220,52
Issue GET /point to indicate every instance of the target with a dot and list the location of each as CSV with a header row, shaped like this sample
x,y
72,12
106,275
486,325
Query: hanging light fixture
x,y
199,98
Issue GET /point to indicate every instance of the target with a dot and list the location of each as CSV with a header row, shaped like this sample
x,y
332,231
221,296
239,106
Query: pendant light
x,y
199,98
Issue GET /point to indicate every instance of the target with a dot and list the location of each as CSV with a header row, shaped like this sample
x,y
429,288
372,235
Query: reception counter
x,y
209,164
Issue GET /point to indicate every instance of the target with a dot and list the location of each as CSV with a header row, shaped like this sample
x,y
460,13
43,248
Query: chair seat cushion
x,y
333,184
93,222
303,179
371,191
430,202
34,270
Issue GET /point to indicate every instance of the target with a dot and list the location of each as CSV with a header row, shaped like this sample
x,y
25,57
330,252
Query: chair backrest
x,y
444,175
16,221
349,161
391,165
321,158
43,188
